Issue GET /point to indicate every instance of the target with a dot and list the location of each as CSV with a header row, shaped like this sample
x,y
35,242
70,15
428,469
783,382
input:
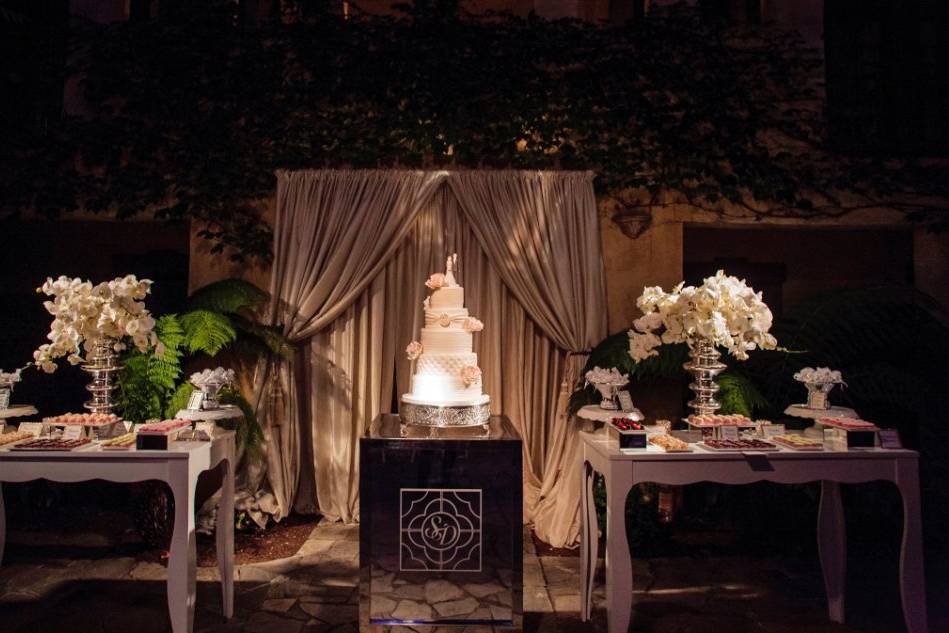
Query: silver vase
x,y
704,366
102,367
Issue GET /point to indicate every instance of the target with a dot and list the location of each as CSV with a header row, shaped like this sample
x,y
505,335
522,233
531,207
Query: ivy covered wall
x,y
188,115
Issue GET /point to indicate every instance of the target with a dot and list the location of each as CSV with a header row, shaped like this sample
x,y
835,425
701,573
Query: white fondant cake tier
x,y
449,297
439,340
444,364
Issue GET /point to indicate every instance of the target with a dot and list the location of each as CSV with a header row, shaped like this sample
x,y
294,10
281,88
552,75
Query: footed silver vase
x,y
704,366
102,367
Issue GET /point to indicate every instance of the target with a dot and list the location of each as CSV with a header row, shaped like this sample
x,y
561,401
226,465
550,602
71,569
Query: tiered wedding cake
x,y
446,385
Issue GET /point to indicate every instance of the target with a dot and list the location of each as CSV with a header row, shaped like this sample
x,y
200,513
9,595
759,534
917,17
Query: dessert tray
x,y
849,424
7,439
84,419
714,420
120,443
47,444
797,442
165,427
670,444
731,446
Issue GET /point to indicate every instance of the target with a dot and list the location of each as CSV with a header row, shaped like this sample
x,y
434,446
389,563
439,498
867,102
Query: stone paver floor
x,y
315,591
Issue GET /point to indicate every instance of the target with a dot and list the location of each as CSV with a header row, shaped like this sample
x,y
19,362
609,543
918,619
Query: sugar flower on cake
x,y
473,325
470,375
612,376
84,315
723,310
413,350
819,376
436,281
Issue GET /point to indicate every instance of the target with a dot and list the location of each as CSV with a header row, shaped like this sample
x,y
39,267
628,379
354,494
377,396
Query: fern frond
x,y
207,332
738,394
179,399
249,433
261,339
228,296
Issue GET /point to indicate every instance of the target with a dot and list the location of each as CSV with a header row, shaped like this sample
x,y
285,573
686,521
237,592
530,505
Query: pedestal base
x,y
444,416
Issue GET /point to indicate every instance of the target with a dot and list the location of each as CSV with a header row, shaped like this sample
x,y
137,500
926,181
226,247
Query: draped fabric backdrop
x,y
352,252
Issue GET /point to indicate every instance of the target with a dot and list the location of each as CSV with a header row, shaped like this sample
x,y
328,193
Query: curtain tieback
x,y
585,352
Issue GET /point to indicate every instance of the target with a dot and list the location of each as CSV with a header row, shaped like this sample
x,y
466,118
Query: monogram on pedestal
x,y
440,530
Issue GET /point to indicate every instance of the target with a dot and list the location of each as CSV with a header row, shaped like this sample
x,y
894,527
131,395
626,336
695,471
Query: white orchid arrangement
x,y
612,376
84,315
819,376
212,377
723,310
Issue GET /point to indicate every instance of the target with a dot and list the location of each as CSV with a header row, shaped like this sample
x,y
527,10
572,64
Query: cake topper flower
x,y
413,350
436,281
444,320
473,325
470,375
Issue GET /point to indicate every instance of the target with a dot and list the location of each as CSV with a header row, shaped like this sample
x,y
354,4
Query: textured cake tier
x,y
439,389
446,340
452,315
450,297
445,364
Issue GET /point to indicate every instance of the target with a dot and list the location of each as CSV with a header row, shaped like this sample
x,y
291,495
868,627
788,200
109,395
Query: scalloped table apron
x,y
179,467
622,471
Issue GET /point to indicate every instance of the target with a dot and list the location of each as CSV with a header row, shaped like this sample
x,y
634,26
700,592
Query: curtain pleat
x,y
529,252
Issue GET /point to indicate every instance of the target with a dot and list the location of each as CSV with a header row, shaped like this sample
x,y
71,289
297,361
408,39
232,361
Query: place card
x,y
205,430
35,428
72,432
5,399
196,400
625,401
728,432
772,430
890,438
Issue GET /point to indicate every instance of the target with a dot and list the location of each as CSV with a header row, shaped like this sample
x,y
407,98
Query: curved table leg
x,y
182,559
3,525
619,565
589,540
224,537
832,548
912,580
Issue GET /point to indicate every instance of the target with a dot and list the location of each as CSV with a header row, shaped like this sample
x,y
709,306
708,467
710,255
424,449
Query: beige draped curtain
x,y
530,262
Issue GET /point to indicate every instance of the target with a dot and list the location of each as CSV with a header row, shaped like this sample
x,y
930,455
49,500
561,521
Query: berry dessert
x,y
849,424
625,424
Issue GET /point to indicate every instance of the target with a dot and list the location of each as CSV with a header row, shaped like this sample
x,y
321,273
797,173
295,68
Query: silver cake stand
x,y
816,431
444,416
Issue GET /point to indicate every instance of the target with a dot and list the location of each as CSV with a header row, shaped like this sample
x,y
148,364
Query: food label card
x,y
772,430
729,432
625,401
72,432
35,428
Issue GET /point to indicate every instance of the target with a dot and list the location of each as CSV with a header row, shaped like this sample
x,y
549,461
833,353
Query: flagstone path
x,y
315,591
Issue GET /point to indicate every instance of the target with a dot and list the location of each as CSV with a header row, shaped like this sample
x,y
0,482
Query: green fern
x,y
146,379
207,332
249,433
179,399
228,296
738,394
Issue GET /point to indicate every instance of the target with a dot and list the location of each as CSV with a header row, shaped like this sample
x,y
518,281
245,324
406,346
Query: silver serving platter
x,y
440,416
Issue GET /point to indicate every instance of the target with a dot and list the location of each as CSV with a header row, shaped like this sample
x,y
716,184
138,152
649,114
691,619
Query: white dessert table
x,y
624,470
179,467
